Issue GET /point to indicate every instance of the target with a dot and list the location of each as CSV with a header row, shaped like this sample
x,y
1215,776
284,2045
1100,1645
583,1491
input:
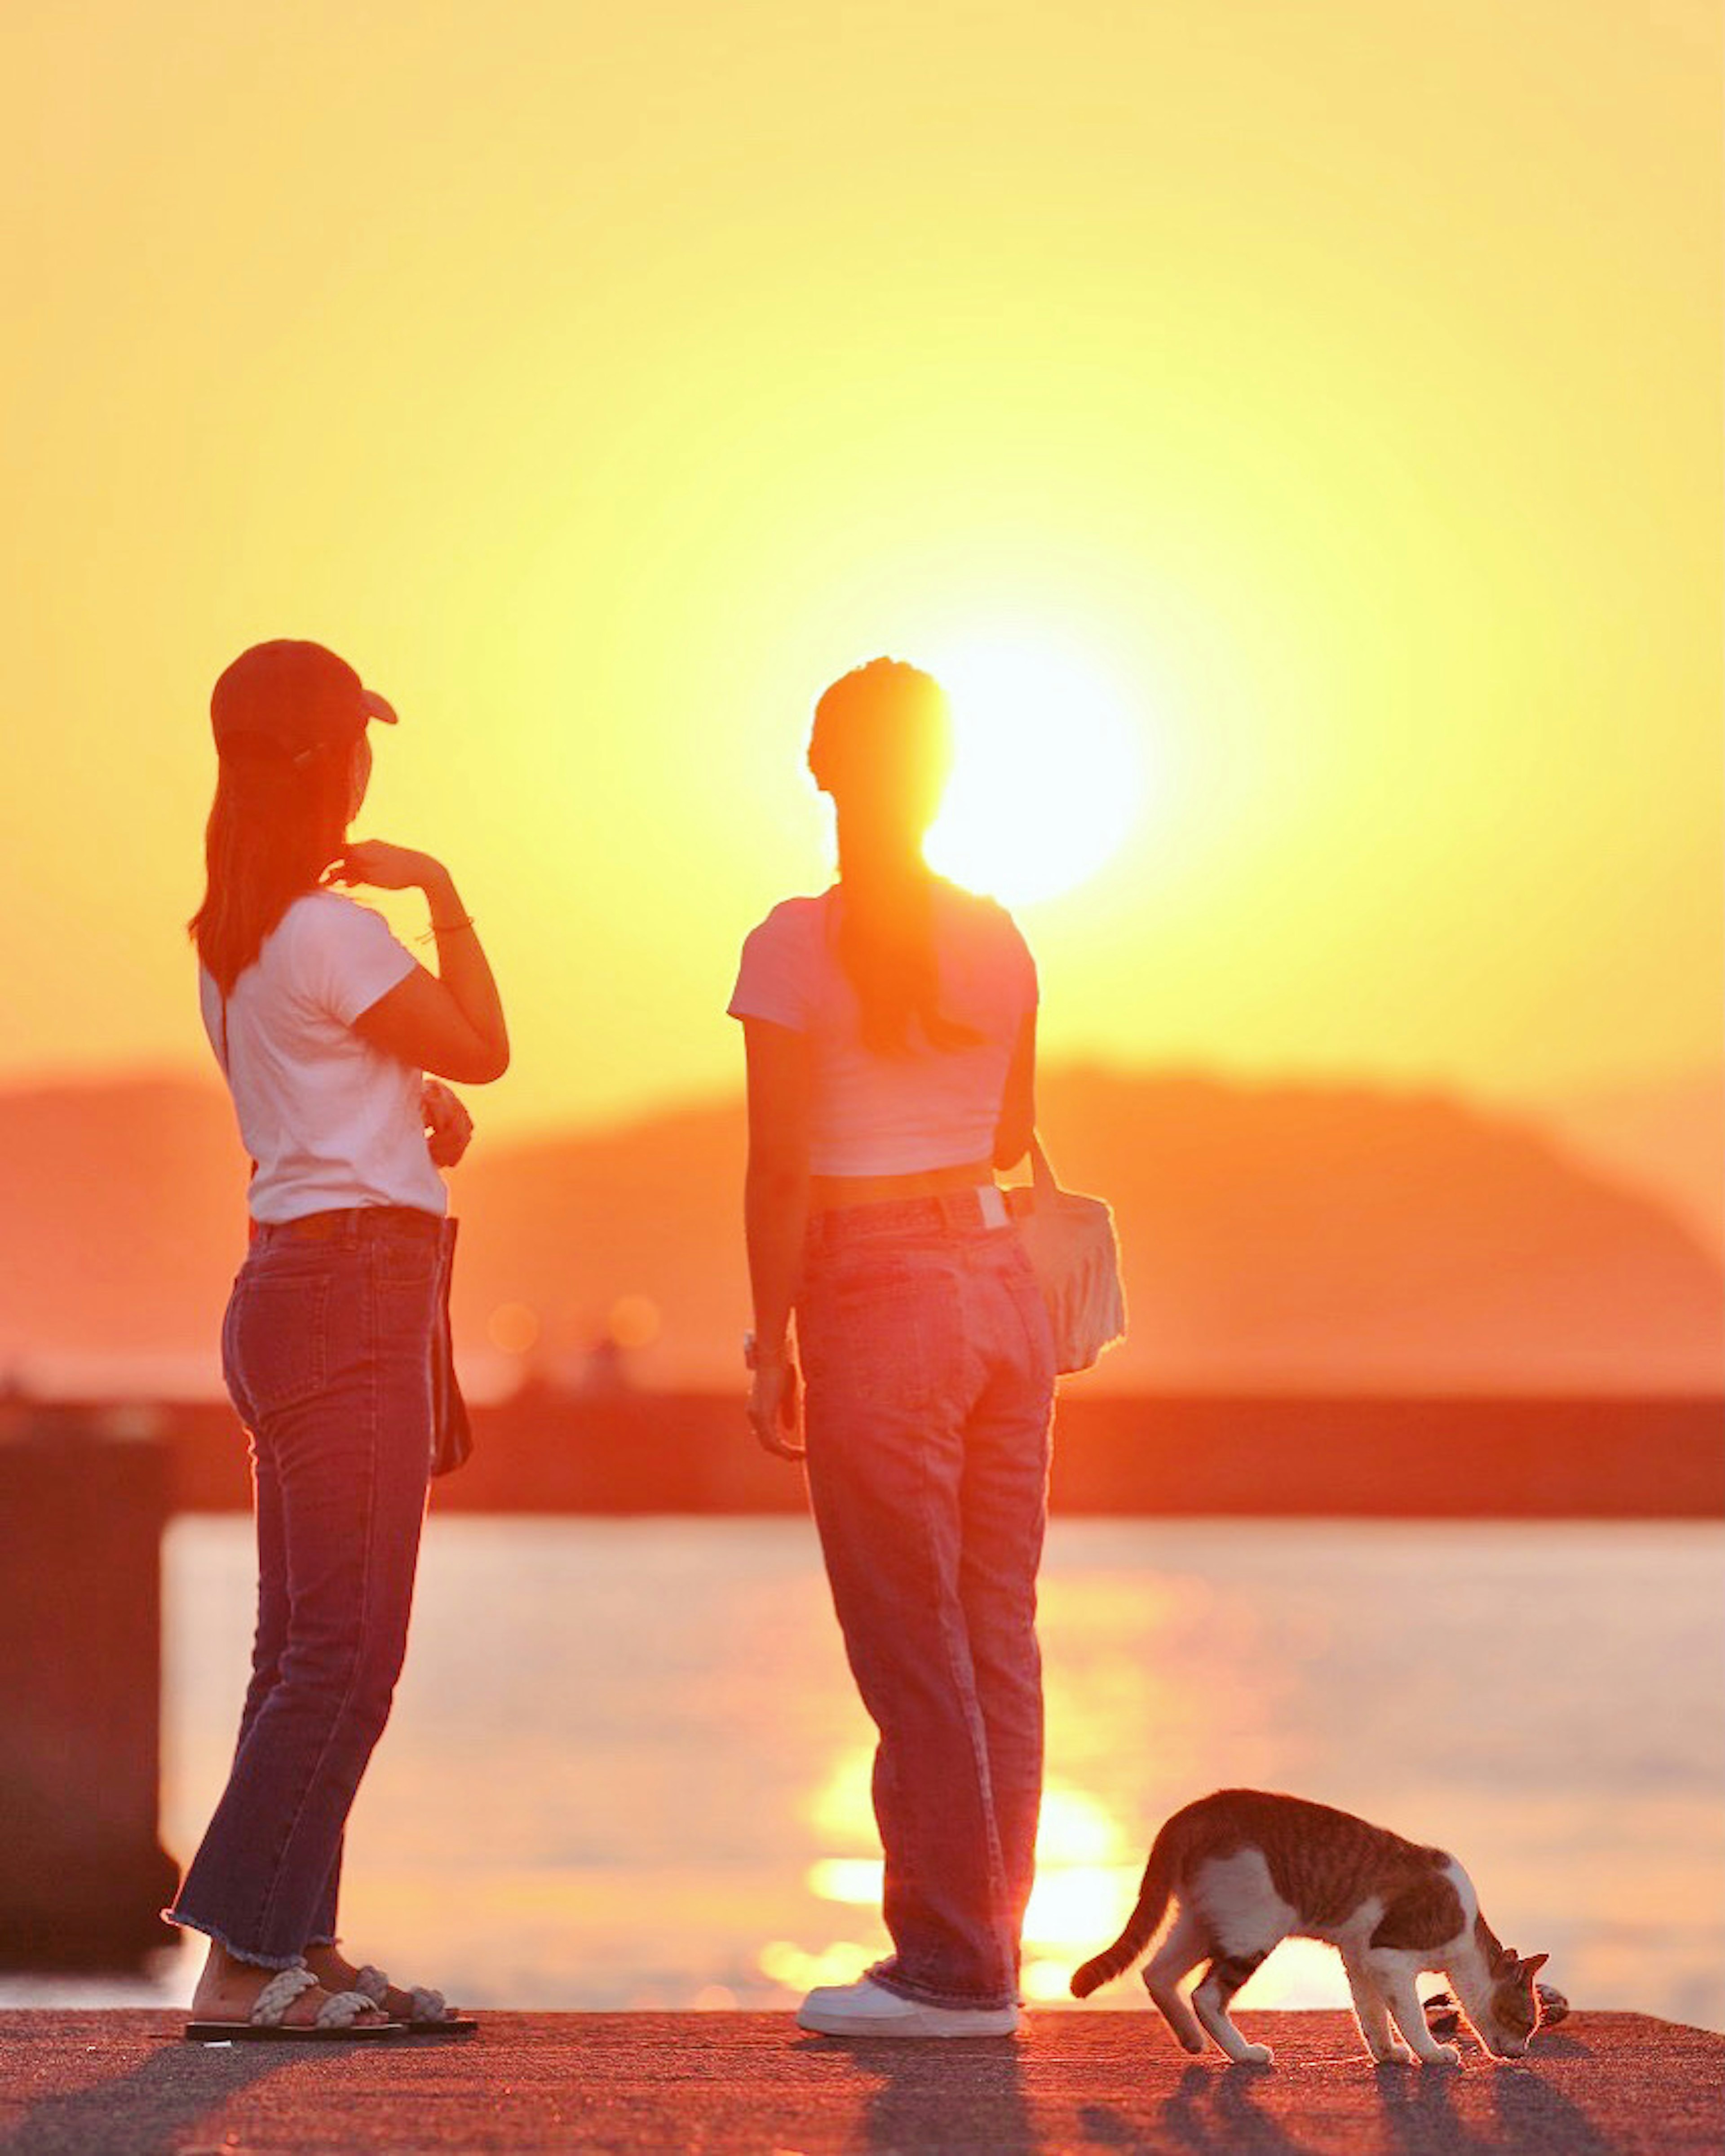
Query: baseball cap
x,y
291,697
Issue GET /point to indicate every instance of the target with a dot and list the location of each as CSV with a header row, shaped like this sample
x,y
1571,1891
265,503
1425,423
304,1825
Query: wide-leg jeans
x,y
328,1354
930,1372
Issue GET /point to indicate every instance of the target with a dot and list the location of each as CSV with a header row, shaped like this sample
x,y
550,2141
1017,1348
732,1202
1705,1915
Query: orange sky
x,y
1337,386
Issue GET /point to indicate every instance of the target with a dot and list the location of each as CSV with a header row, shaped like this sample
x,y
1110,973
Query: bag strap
x,y
1042,1175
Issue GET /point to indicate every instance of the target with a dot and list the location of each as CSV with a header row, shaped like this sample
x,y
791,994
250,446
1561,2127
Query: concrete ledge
x,y
1167,1455
120,2084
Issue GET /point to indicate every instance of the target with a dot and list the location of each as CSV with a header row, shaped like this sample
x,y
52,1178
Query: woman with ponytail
x,y
334,1346
890,1029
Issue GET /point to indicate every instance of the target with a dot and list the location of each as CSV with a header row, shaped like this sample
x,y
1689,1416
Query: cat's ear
x,y
1505,1958
1535,1962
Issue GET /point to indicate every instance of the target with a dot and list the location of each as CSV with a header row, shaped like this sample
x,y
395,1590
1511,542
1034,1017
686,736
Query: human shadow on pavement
x,y
147,2111
963,2096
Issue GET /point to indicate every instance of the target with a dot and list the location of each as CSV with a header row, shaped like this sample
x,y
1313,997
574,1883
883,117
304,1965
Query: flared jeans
x,y
930,1372
327,1349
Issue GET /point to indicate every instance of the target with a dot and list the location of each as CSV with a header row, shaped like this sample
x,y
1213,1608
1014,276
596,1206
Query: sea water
x,y
627,1766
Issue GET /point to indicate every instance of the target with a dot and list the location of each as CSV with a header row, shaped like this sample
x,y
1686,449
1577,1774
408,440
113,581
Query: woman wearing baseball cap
x,y
334,1345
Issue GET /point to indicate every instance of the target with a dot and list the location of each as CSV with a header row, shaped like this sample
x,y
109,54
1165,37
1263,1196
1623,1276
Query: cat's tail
x,y
1140,1927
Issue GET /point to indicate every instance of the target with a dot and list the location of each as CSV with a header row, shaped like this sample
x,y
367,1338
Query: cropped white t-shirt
x,y
928,1107
330,1120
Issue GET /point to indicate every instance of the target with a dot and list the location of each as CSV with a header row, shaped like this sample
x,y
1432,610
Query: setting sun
x,y
1047,773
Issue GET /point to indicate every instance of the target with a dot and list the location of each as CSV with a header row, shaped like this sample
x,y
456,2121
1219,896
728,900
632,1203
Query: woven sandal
x,y
337,2019
428,2013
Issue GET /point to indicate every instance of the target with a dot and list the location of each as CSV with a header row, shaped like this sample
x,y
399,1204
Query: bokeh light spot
x,y
513,1328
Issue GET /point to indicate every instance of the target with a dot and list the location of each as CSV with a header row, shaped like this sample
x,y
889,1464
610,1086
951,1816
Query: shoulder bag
x,y
1075,1254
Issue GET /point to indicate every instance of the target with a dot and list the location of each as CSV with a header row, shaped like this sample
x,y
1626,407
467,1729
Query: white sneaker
x,y
867,2009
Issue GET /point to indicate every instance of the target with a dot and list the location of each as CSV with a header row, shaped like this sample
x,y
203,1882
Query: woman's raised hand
x,y
383,866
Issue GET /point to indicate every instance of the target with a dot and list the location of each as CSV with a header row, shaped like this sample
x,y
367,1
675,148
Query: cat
x,y
1249,1868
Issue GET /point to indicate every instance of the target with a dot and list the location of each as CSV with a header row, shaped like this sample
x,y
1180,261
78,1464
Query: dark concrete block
x,y
83,1874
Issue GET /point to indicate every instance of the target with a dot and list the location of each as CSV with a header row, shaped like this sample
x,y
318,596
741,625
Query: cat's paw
x,y
1254,2055
1443,2055
1393,2053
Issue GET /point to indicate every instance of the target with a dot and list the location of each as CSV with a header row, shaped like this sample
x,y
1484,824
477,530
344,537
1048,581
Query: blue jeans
x,y
931,1377
327,1350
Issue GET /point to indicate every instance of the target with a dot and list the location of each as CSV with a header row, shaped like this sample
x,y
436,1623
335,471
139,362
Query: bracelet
x,y
755,1356
444,928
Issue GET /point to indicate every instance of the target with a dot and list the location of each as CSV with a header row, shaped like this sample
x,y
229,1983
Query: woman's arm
x,y
775,1219
1017,1125
450,1023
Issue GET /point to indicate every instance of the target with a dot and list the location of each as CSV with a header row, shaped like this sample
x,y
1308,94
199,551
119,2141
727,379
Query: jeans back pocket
x,y
276,1341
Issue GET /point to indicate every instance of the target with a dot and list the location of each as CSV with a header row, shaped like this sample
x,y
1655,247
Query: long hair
x,y
276,824
881,745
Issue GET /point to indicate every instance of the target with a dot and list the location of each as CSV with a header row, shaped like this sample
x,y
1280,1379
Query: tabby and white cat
x,y
1249,1869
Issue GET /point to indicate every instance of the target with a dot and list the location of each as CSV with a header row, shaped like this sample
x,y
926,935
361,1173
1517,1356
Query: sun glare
x,y
1047,775
1086,1879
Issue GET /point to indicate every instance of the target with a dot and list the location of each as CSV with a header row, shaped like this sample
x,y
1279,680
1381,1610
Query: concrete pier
x,y
121,2084
82,1872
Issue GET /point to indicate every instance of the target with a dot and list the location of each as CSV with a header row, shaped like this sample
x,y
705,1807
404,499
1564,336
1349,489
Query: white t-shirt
x,y
329,1119
928,1107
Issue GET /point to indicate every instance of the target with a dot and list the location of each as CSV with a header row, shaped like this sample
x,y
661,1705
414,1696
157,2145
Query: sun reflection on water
x,y
798,1970
1087,1878
1141,1642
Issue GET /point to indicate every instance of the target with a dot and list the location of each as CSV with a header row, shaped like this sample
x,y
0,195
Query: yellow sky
x,y
1340,381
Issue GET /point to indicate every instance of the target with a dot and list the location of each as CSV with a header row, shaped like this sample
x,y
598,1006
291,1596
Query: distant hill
x,y
1306,1235
1666,1137
121,1220
1298,1237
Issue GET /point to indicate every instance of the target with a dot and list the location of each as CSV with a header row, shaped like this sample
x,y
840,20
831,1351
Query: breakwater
x,y
1172,1456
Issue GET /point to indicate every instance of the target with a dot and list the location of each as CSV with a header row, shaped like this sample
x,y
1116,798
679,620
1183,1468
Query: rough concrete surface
x,y
120,2084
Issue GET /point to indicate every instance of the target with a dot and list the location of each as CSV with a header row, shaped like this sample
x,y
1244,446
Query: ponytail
x,y
881,747
886,943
